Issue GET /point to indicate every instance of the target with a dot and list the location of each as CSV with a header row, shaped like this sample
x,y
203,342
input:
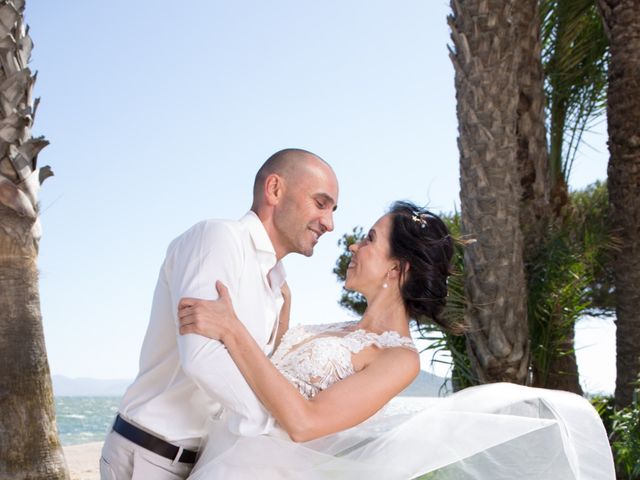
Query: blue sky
x,y
159,114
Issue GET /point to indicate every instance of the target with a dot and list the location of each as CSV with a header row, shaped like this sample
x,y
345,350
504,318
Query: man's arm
x,y
213,252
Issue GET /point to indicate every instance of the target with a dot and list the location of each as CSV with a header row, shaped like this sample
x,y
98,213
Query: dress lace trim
x,y
313,357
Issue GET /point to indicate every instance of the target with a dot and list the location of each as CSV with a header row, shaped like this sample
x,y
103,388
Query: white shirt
x,y
184,380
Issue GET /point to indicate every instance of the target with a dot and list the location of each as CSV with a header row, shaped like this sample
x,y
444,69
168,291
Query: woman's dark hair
x,y
421,242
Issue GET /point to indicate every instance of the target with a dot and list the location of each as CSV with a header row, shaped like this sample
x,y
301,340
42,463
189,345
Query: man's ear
x,y
273,189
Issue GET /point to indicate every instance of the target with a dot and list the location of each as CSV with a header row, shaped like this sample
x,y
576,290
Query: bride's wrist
x,y
229,331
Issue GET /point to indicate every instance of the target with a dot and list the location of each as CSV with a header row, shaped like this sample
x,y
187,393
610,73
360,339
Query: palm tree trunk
x,y
532,154
537,208
486,90
622,23
29,445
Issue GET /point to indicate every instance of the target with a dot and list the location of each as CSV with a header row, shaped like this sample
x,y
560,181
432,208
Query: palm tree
x,y
29,445
622,24
561,51
574,52
536,209
487,93
487,53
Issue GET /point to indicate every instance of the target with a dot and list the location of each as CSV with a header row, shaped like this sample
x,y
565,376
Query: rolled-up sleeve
x,y
211,252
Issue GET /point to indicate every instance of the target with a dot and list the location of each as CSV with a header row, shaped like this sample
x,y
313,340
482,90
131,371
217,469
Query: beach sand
x,y
83,460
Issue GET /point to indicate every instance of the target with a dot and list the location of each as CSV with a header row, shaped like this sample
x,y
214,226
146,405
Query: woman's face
x,y
371,261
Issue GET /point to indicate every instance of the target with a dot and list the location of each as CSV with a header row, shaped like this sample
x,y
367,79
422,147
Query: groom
x,y
184,380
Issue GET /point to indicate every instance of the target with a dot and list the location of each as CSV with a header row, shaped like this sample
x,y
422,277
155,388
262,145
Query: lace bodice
x,y
313,357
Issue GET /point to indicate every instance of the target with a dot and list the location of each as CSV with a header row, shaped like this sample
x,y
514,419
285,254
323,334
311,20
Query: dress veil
x,y
490,432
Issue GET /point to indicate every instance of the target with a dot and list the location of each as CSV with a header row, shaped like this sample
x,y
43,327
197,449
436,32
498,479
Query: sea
x,y
85,419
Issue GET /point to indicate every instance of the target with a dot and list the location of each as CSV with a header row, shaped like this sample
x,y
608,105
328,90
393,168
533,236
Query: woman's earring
x,y
385,284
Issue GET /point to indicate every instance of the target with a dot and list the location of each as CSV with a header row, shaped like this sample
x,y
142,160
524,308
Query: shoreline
x,y
83,460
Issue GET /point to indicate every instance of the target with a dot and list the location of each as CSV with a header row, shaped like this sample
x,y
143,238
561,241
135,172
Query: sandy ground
x,y
83,460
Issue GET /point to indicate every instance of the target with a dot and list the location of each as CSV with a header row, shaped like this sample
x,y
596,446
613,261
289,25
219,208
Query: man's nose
x,y
327,222
353,248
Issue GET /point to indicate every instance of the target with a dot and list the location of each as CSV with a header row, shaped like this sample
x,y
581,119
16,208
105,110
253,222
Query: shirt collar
x,y
264,246
258,233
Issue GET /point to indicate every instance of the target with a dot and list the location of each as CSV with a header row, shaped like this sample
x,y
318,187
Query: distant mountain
x,y
88,387
425,385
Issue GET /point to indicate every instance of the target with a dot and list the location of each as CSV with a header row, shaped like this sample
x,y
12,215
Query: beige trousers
x,y
124,460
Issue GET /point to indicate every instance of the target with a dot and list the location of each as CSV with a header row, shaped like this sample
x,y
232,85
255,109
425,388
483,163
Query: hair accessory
x,y
420,218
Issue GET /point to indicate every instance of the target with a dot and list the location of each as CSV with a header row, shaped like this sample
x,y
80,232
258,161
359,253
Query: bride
x,y
326,386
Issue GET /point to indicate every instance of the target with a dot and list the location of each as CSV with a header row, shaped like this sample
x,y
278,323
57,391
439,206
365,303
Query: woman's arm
x,y
344,404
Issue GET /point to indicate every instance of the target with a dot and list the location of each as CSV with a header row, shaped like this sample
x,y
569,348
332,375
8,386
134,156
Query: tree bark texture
x,y
29,445
622,23
486,66
531,130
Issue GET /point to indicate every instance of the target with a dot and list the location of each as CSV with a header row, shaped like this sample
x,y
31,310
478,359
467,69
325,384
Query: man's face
x,y
306,209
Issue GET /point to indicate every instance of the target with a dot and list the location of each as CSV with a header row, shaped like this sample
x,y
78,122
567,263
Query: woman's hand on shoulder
x,y
210,318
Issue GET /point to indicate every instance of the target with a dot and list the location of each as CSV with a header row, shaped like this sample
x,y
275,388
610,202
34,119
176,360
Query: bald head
x,y
295,195
290,164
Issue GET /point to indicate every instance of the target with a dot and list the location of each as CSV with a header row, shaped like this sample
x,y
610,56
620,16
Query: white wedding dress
x,y
490,432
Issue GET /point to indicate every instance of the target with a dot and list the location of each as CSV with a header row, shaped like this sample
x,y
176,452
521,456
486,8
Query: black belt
x,y
151,442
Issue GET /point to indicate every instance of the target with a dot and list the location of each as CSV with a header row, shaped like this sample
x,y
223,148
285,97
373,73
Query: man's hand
x,y
209,318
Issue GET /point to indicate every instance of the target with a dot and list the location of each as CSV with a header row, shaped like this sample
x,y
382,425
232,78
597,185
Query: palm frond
x,y
563,274
575,56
